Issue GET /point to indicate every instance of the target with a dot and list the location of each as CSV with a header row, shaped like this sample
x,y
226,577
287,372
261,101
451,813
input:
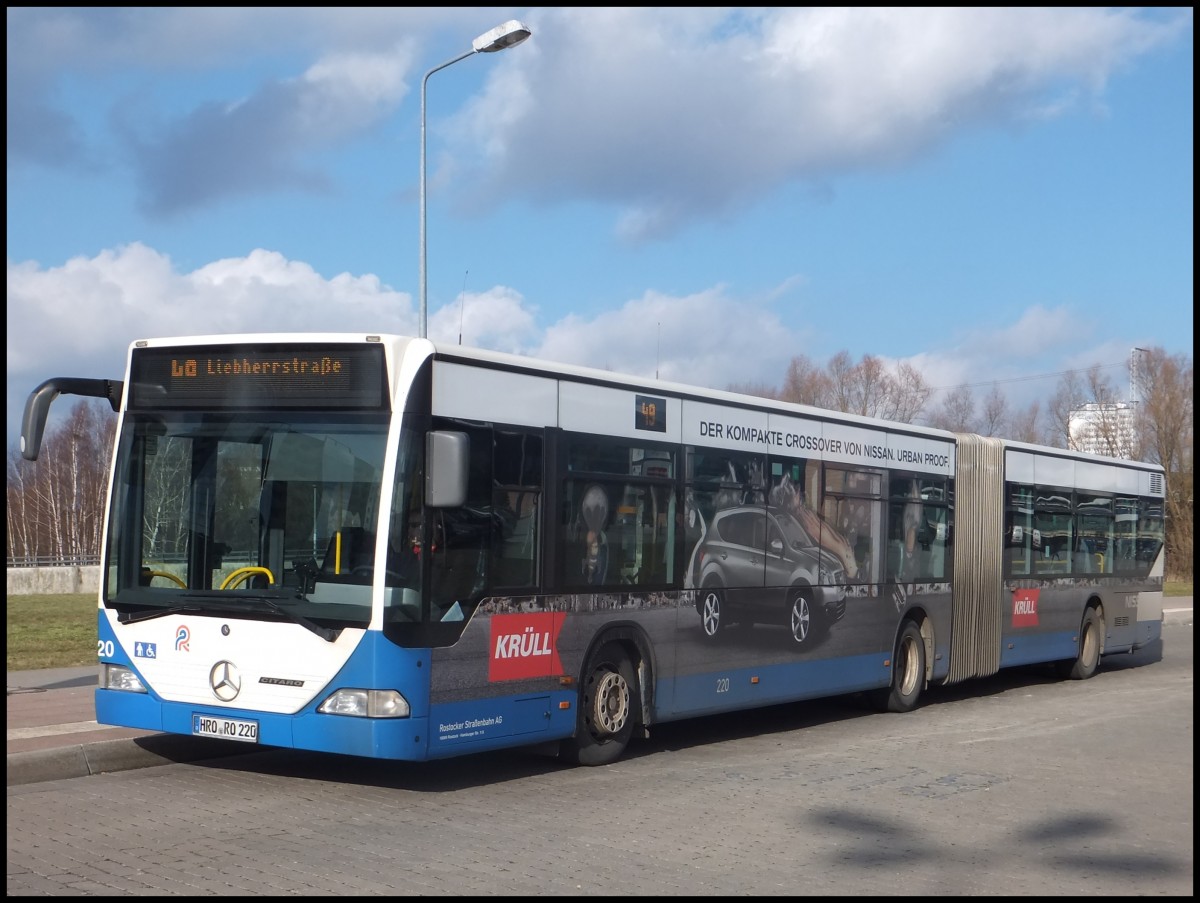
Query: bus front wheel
x,y
606,717
1091,643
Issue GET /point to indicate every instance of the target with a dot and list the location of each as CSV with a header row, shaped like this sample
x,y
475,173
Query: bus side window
x,y
516,506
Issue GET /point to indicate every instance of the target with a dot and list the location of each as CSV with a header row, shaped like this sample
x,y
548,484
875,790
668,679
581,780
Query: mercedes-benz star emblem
x,y
225,681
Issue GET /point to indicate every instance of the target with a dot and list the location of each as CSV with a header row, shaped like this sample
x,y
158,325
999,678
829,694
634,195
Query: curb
x,y
105,756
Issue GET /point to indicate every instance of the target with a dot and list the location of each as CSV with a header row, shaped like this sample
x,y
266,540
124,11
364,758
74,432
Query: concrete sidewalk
x,y
53,734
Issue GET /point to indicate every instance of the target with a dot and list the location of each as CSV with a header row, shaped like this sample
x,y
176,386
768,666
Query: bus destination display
x,y
231,376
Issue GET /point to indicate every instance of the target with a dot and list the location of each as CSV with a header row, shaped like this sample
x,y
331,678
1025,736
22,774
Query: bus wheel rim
x,y
610,706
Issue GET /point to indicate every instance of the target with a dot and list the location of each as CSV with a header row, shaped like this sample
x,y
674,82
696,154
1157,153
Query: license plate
x,y
225,728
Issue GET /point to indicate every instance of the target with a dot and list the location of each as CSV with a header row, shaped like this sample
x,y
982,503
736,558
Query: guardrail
x,y
53,561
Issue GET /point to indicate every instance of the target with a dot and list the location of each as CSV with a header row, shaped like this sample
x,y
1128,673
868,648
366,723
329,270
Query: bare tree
x,y
806,383
21,515
868,389
840,370
995,413
1025,424
1165,385
956,412
910,393
56,503
1069,396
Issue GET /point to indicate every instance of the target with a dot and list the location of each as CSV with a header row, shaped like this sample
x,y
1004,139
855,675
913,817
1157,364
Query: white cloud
x,y
678,115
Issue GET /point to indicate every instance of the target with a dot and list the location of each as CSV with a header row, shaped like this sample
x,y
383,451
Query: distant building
x,y
1107,428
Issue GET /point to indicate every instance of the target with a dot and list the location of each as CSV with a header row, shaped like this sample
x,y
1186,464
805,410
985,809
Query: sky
x,y
995,196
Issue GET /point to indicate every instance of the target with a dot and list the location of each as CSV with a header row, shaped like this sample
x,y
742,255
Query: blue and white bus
x,y
387,547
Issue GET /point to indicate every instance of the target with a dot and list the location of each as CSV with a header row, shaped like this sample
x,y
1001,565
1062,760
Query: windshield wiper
x,y
125,617
326,633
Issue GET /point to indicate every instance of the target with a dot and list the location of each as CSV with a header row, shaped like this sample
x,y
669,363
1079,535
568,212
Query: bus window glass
x,y
855,521
460,539
517,495
642,536
598,456
406,545
1052,523
718,479
917,529
1094,534
228,503
620,532
1019,547
1125,527
1149,533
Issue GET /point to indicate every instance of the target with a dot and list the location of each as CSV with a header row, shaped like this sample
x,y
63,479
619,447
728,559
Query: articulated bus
x,y
387,547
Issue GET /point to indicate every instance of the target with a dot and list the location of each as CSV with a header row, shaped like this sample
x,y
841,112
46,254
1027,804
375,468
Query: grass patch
x,y
51,631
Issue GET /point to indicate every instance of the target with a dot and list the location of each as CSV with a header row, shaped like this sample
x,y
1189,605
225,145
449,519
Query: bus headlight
x,y
118,677
366,704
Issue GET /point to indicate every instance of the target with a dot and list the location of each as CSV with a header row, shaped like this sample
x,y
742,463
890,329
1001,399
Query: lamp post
x,y
510,34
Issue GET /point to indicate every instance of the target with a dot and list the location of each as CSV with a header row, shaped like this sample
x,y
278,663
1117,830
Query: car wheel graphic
x,y
711,604
800,618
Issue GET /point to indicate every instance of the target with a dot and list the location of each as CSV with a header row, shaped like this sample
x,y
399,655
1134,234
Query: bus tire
x,y
606,712
908,673
1091,645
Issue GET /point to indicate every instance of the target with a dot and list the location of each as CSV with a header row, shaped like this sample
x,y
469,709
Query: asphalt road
x,y
1018,784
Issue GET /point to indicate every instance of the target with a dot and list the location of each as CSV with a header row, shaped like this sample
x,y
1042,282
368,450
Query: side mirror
x,y
37,405
447,456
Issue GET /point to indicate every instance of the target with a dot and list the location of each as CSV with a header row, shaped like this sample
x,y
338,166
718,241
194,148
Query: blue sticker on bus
x,y
145,650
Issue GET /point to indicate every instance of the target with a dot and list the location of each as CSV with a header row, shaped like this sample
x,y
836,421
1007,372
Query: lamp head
x,y
510,34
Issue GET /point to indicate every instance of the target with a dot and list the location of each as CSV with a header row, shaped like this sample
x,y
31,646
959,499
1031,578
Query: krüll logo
x,y
1025,608
525,645
225,680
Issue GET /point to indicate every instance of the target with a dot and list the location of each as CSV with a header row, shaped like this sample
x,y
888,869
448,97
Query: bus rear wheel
x,y
606,713
1091,644
908,673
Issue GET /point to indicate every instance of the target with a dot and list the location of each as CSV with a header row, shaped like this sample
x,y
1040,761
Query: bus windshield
x,y
240,512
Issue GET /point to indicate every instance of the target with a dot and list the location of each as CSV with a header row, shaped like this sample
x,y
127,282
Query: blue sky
x,y
994,196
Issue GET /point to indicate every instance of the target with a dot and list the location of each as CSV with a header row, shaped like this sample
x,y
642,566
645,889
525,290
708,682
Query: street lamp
x,y
510,34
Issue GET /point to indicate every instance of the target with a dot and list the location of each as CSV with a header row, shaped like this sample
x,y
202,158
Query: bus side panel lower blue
x,y
500,721
719,691
1036,648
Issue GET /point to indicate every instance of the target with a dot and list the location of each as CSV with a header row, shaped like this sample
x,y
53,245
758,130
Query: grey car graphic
x,y
758,565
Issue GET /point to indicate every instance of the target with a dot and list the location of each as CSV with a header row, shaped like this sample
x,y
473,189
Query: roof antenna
x,y
462,300
658,350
